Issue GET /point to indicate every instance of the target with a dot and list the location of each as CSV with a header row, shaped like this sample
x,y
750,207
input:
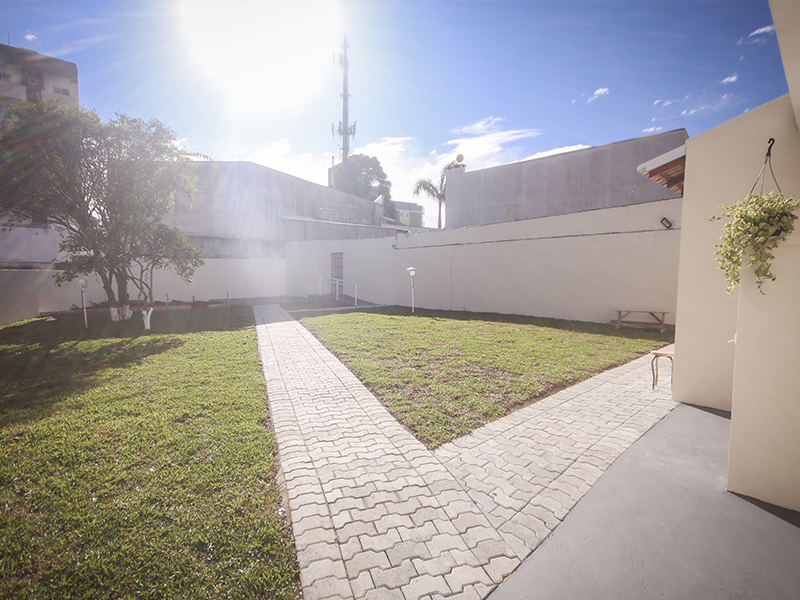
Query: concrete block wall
x,y
589,179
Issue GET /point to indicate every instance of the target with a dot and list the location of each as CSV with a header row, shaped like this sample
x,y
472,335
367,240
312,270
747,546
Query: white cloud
x,y
489,148
483,144
554,151
280,155
763,31
759,36
484,126
652,129
404,168
30,37
693,111
666,102
597,94
731,78
723,101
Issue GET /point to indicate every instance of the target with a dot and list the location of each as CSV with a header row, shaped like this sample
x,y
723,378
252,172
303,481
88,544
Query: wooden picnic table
x,y
659,319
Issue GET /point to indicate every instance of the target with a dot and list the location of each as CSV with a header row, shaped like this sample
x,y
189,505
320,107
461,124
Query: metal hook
x,y
771,143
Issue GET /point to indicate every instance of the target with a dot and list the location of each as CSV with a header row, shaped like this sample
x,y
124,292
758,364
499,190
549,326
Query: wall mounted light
x,y
666,223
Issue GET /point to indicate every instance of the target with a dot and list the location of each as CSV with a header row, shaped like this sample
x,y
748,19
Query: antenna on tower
x,y
345,130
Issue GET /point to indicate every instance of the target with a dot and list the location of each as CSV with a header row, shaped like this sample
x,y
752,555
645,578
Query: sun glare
x,y
264,54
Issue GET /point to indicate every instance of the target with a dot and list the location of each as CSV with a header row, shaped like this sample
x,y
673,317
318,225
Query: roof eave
x,y
667,170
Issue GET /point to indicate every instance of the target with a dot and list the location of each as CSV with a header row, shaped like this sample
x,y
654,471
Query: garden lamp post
x,y
82,283
412,271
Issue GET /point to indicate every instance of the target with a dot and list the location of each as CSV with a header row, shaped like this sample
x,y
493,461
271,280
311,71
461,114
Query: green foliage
x,y
434,192
105,186
757,225
444,374
363,176
161,247
139,465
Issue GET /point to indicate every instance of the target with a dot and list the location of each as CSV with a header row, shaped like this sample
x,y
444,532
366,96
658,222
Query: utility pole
x,y
345,130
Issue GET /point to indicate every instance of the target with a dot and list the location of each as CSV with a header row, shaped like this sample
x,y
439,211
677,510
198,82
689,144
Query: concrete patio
x,y
377,515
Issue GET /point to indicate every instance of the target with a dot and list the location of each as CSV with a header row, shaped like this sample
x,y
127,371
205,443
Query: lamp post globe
x,y
412,271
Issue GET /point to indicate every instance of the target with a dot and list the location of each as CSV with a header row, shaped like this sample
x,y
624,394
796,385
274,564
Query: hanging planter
x,y
758,224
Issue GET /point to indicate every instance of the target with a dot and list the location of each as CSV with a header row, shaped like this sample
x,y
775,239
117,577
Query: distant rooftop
x,y
33,61
588,179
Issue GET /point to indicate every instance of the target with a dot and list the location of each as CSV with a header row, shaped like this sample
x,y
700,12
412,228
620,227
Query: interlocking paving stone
x,y
377,515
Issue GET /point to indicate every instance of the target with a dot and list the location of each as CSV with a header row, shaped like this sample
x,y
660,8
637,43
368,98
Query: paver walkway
x,y
377,515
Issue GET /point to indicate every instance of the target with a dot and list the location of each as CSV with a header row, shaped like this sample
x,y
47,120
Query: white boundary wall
x,y
25,294
582,266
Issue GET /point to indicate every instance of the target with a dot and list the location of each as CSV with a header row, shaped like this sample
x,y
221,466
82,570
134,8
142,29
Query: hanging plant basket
x,y
758,224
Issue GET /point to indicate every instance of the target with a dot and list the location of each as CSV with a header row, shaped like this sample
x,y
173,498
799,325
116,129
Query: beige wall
x,y
755,378
25,294
582,266
218,277
721,167
765,424
28,246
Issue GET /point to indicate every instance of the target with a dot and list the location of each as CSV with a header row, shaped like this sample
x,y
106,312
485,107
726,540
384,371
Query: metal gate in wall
x,y
337,272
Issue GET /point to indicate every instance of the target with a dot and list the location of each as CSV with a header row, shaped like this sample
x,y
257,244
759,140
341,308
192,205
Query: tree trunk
x,y
122,311
146,313
108,286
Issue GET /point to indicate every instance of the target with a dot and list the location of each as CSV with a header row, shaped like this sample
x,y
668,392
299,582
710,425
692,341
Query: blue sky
x,y
496,81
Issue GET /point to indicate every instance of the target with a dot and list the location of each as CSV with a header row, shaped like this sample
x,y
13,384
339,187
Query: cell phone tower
x,y
345,130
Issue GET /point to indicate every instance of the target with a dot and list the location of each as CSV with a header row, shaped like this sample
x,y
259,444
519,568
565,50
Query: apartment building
x,y
28,75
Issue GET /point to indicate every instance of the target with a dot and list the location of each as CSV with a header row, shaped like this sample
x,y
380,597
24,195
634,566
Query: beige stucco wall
x,y
28,246
721,167
582,266
765,423
25,294
755,376
219,278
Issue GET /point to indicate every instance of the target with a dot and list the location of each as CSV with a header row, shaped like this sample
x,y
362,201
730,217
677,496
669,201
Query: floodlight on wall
x,y
412,271
666,223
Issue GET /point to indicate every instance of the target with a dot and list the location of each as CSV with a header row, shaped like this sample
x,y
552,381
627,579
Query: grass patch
x,y
443,374
137,465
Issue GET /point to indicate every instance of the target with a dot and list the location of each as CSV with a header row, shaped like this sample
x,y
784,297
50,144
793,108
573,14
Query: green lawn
x,y
139,465
443,374
143,466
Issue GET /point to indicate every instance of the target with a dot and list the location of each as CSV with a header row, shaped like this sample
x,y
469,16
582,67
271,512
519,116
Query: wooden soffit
x,y
667,170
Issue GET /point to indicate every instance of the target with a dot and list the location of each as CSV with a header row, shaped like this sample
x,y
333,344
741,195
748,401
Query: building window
x,y
59,90
5,77
32,81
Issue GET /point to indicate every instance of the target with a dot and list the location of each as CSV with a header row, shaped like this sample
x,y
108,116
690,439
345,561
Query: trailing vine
x,y
758,224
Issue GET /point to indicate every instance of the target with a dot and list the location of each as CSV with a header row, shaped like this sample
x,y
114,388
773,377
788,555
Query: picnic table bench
x,y
659,319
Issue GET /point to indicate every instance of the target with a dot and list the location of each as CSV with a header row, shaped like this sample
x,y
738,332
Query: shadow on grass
x,y
667,337
44,362
70,326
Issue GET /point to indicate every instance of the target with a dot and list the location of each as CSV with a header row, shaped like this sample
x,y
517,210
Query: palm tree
x,y
435,192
